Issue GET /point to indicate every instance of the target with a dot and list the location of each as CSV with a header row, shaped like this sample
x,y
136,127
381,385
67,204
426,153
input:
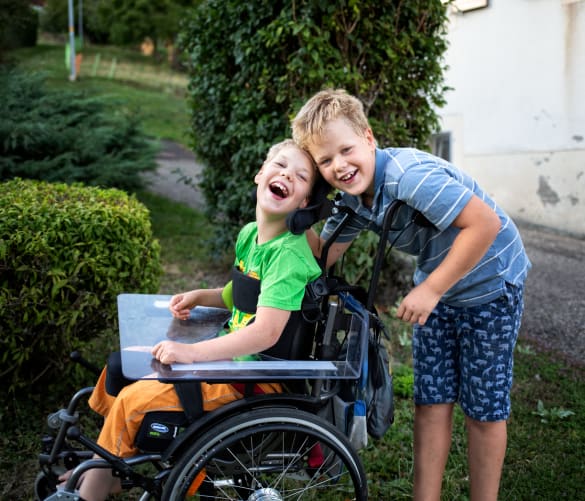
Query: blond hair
x,y
277,147
325,106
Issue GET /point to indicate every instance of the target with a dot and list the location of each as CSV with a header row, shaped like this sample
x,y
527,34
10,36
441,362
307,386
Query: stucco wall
x,y
516,113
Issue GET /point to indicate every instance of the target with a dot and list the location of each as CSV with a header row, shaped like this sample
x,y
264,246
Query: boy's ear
x,y
370,136
257,176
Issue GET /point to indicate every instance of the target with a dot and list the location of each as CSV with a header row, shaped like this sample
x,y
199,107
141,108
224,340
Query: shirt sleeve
x,y
435,192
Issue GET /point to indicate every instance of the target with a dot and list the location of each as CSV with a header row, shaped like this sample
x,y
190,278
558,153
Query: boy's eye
x,y
347,150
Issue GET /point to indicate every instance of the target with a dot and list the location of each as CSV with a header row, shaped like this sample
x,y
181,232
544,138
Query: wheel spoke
x,y
291,456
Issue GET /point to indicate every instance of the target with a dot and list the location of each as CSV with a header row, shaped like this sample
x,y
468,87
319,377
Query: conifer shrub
x,y
66,252
67,136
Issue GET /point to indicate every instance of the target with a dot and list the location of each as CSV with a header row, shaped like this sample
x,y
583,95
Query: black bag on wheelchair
x,y
379,391
366,406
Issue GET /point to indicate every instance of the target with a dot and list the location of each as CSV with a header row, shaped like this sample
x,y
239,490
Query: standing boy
x,y
265,250
466,305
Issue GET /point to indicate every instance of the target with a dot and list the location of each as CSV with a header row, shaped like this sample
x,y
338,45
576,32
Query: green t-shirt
x,y
284,265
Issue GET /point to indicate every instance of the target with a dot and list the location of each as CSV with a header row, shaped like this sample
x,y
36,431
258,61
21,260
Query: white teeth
x,y
347,176
280,187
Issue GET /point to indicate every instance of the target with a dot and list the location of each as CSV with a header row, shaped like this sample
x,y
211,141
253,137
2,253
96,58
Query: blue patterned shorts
x,y
465,355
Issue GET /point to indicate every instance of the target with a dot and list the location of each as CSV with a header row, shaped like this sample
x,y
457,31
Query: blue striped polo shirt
x,y
438,190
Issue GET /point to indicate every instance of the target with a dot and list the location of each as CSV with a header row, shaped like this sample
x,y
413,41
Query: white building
x,y
515,119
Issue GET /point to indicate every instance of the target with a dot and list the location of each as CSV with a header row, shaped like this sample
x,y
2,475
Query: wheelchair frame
x,y
262,447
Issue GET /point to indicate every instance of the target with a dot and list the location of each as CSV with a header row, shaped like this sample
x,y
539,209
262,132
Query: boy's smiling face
x,y
346,159
285,181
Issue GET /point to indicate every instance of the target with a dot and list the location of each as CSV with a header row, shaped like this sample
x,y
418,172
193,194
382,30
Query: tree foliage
x,y
69,137
254,63
121,22
55,19
133,20
18,25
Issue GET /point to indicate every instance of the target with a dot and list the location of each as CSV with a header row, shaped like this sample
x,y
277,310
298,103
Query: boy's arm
x,y
258,336
181,304
479,226
335,251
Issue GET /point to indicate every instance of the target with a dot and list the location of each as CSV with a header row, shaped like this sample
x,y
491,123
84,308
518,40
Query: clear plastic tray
x,y
145,319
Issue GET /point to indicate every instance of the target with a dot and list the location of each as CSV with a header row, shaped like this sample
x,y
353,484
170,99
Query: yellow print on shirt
x,y
242,268
240,319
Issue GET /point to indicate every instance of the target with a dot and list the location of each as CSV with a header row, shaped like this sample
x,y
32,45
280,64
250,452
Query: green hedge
x,y
66,252
254,63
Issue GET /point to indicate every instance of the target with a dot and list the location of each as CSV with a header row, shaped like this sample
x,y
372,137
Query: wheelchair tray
x,y
145,320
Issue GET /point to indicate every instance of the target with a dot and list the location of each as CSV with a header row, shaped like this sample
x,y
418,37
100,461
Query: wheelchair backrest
x,y
296,341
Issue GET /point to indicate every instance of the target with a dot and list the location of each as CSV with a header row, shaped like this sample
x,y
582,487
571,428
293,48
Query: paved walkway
x,y
174,162
555,291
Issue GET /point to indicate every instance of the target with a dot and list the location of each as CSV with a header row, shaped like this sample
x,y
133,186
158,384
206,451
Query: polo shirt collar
x,y
379,178
380,168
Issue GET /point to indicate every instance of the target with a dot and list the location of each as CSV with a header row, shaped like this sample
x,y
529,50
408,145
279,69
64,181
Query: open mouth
x,y
348,177
278,189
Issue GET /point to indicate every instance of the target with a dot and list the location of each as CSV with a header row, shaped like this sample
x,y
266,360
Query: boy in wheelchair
x,y
266,251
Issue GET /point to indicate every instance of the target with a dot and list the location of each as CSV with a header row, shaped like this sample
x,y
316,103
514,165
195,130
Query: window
x,y
467,5
441,145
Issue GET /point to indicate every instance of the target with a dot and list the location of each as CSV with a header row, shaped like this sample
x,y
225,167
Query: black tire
x,y
270,454
44,486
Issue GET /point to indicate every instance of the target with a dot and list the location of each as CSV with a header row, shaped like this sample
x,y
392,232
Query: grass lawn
x,y
546,434
140,83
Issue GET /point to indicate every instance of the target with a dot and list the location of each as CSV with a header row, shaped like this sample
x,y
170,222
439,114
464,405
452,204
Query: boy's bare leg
x,y
97,484
432,441
486,451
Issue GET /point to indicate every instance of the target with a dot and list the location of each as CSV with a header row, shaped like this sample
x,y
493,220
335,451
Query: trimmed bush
x,y
254,63
66,136
66,252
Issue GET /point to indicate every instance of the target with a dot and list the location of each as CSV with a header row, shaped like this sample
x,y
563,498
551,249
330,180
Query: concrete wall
x,y
516,113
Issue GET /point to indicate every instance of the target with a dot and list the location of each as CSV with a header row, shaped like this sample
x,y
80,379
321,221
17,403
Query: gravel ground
x,y
554,317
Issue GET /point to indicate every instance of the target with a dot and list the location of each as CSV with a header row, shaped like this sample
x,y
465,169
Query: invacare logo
x,y
159,428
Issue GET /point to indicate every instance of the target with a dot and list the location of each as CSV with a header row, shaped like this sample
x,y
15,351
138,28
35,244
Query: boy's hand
x,y
418,304
182,304
169,352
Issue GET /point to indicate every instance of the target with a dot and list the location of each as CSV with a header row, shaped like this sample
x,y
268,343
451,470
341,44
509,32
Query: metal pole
x,y
80,22
73,74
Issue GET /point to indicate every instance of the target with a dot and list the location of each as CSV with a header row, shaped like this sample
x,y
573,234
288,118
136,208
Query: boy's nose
x,y
285,174
339,163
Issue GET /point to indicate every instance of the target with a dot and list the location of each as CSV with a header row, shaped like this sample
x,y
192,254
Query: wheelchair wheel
x,y
44,486
269,454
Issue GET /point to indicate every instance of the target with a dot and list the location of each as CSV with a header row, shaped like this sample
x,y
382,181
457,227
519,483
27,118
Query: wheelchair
x,y
263,447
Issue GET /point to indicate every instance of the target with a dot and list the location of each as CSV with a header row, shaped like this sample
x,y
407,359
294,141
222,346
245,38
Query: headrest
x,y
302,219
319,207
